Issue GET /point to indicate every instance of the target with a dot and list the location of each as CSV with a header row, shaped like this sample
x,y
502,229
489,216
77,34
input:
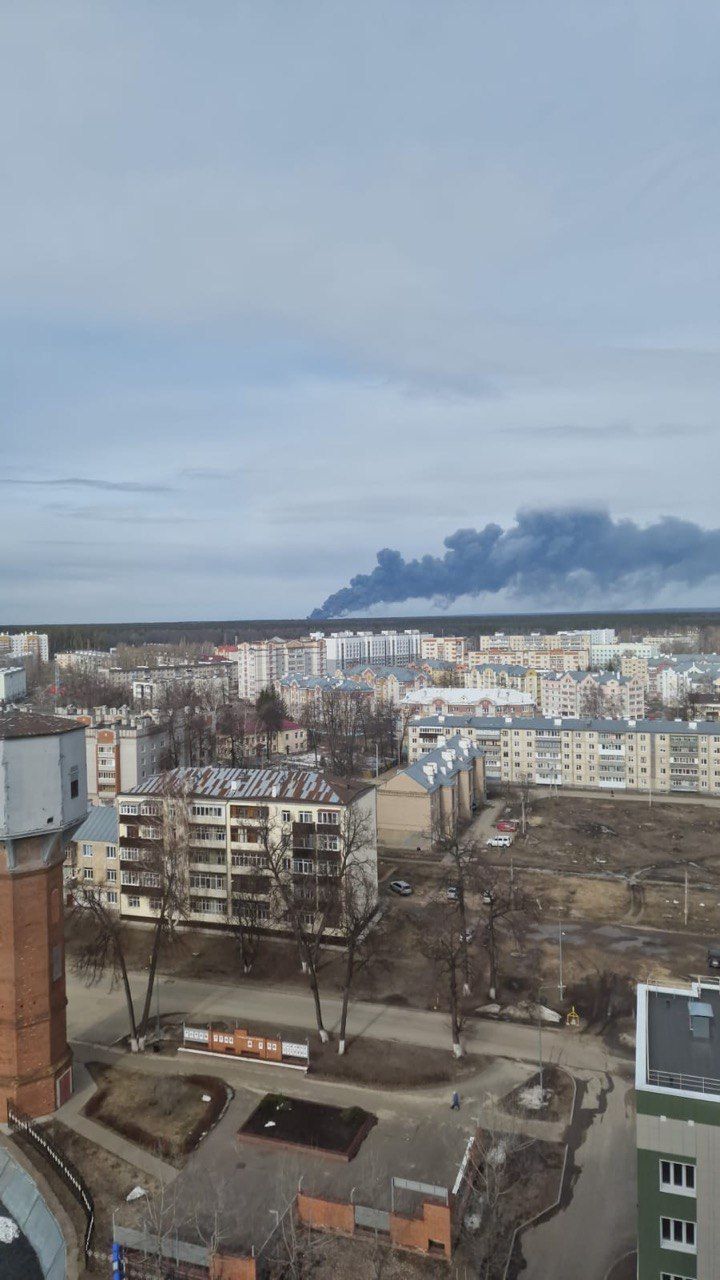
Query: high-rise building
x,y
677,1091
372,648
25,644
42,798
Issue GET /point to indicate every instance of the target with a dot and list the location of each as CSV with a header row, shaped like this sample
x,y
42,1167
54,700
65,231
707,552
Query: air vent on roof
x,y
701,1016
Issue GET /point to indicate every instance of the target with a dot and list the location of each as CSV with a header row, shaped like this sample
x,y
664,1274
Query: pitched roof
x,y
31,724
275,783
101,824
437,768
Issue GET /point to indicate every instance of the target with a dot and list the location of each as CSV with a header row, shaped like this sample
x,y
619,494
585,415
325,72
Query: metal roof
x,y
462,751
100,825
595,723
31,724
251,784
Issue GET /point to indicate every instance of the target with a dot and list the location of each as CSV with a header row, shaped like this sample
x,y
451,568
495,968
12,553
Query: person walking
x,y
455,1104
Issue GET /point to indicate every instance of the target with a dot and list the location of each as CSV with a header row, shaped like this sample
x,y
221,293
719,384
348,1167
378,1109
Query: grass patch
x,y
163,1114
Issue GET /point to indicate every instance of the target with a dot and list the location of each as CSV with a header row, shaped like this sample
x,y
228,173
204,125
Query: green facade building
x,y
677,1081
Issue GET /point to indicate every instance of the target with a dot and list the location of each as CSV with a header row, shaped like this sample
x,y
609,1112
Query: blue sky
x,y
282,284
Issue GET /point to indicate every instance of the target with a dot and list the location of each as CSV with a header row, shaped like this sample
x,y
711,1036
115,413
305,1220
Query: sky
x,y
283,284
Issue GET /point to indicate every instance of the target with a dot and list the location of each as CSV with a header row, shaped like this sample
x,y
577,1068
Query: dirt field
x,y
593,834
109,1179
161,1113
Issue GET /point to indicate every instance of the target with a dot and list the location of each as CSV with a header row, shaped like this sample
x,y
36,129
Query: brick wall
x,y
426,1234
326,1215
33,1042
225,1267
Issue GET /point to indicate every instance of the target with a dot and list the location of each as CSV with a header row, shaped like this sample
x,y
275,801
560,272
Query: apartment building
x,y
538,641
92,855
635,666
13,684
477,702
85,660
123,748
506,675
675,756
263,663
445,648
677,1095
25,644
303,694
579,693
306,812
212,677
437,795
372,648
389,684
544,658
289,740
606,655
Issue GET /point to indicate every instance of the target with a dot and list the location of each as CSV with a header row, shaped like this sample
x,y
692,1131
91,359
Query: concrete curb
x,y
550,1208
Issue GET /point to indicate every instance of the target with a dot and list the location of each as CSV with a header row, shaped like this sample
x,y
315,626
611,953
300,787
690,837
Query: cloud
x,y
83,482
546,553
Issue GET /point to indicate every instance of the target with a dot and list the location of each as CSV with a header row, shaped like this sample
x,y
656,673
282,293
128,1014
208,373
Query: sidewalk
x,y
71,1115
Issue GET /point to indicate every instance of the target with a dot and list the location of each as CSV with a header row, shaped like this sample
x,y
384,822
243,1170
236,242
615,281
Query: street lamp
x,y
561,935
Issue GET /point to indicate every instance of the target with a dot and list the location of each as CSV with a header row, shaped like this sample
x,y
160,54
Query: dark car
x,y
713,956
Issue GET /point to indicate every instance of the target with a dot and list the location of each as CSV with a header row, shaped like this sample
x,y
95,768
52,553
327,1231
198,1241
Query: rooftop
x,y
31,724
438,767
597,724
681,1040
101,824
251,784
469,696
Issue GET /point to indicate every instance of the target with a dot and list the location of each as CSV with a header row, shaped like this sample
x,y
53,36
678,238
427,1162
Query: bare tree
x,y
498,1158
249,910
159,870
103,947
438,936
505,909
311,869
463,857
358,892
342,715
233,729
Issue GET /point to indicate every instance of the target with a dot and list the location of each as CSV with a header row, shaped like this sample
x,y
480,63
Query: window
x,y
305,816
678,1233
87,851
112,898
677,1177
133,900
87,873
112,876
74,782
671,1275
111,851
285,815
127,807
57,963
328,818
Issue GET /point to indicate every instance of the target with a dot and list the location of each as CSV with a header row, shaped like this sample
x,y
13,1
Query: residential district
x,y
361,953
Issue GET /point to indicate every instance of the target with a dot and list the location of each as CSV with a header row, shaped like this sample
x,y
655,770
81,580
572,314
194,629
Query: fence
x,y
20,1123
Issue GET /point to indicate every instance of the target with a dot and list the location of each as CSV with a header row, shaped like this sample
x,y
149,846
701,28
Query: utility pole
x,y
561,985
686,894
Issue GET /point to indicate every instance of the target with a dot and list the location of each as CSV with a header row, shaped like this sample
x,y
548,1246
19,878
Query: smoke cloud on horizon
x,y
545,554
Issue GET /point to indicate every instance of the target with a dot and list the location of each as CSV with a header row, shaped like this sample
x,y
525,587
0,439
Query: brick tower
x,y
43,796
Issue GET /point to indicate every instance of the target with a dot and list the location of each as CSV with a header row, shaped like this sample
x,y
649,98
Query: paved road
x,y
96,1015
596,1224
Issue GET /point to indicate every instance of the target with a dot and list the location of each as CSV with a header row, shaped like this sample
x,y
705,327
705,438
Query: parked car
x,y
453,892
713,956
499,842
402,887
469,934
506,824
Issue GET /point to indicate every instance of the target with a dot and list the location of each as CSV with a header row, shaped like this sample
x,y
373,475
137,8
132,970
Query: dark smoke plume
x,y
544,554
